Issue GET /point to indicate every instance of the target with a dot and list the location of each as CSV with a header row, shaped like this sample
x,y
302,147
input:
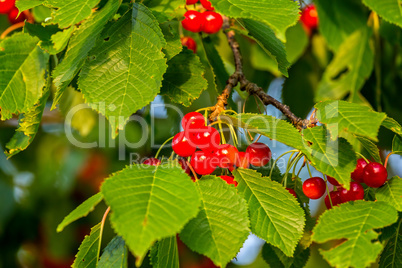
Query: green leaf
x,y
391,257
392,125
221,226
22,74
165,253
184,79
125,70
87,256
277,14
397,144
391,193
27,4
167,7
349,69
351,117
79,46
275,215
389,10
67,13
153,203
353,222
81,211
339,19
173,43
271,44
114,255
371,148
333,158
297,42
275,257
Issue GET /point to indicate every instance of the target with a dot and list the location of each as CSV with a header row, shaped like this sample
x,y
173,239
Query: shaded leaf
x,y
275,258
392,125
165,253
173,43
397,144
114,255
391,257
371,148
391,192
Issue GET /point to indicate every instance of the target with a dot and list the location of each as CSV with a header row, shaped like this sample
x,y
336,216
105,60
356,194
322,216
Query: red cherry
x,y
152,161
227,155
190,44
212,22
259,154
229,179
314,187
191,2
375,175
242,160
357,174
333,181
231,168
6,6
185,166
207,5
193,120
13,17
193,21
205,138
356,192
292,192
309,17
335,198
182,146
202,163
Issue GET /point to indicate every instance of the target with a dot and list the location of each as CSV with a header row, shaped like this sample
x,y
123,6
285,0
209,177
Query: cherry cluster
x,y
208,22
8,7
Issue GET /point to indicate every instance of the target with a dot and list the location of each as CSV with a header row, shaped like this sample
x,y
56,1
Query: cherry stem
x,y
163,144
192,171
295,165
386,158
101,232
327,189
290,166
221,130
12,28
362,156
308,168
276,160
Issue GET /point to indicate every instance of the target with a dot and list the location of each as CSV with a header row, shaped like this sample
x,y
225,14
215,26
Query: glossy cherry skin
x,y
189,43
314,187
6,6
375,175
152,161
212,22
182,146
259,154
229,179
357,174
356,192
193,21
333,181
335,198
207,5
242,160
205,138
292,192
193,120
202,163
13,17
191,2
309,17
227,155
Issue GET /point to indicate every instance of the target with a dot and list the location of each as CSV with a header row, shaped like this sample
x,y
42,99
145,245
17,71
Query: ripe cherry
x,y
212,22
182,146
189,43
193,21
205,138
314,187
13,17
309,17
152,161
207,5
259,154
242,160
335,198
229,179
356,192
375,175
193,120
227,155
202,163
191,2
357,174
333,181
6,6
292,192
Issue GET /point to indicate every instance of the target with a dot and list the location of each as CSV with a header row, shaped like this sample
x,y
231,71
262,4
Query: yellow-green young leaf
x,y
397,144
184,79
333,158
391,192
389,10
353,222
22,74
349,69
79,46
391,257
275,215
27,4
114,255
124,71
165,253
351,117
88,252
277,14
150,203
370,147
221,226
81,211
392,125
